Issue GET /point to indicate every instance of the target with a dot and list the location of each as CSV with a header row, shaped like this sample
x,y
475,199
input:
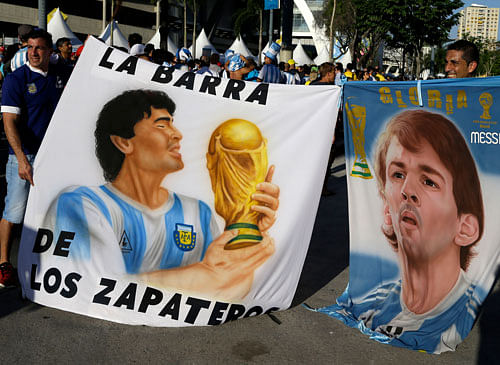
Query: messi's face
x,y
156,144
419,201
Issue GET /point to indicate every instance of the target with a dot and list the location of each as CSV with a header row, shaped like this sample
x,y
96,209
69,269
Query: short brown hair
x,y
411,127
325,68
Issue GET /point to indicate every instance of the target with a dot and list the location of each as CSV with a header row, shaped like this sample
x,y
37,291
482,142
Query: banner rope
x,y
419,92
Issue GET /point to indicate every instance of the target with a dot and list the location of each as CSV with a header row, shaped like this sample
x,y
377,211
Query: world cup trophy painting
x,y
486,101
237,162
356,115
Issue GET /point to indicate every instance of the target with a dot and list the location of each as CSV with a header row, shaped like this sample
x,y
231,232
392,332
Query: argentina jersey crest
x,y
184,237
32,88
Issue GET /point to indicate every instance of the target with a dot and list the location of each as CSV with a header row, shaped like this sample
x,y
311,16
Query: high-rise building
x,y
479,21
301,29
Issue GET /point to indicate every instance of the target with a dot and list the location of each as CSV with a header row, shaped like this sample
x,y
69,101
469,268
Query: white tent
x,y
240,47
118,37
300,56
156,42
58,28
345,58
322,56
202,42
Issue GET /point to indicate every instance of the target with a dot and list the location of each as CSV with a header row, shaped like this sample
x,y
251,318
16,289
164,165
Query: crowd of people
x,y
34,72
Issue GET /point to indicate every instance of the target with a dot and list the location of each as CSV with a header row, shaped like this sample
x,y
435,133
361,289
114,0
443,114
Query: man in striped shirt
x,y
21,56
270,73
170,240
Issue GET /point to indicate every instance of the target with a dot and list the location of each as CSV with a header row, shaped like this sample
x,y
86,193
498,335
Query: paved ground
x,y
36,334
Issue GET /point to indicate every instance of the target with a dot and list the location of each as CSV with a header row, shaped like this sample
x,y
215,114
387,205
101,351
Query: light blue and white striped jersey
x,y
19,59
383,316
291,78
174,235
270,74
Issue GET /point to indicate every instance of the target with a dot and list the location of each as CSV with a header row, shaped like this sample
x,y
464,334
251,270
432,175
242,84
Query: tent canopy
x,y
118,37
58,28
322,56
156,42
202,42
240,47
300,56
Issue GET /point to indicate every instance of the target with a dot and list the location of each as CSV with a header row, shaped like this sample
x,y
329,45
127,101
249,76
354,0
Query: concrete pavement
x,y
36,334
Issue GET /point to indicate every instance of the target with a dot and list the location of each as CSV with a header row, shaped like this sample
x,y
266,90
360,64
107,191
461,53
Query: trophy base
x,y
248,235
361,169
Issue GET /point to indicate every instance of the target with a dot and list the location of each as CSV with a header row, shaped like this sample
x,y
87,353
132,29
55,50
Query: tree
x,y
489,54
359,26
194,6
247,16
408,24
332,37
416,23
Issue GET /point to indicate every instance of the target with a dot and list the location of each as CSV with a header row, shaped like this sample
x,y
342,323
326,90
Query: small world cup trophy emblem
x,y
486,101
356,116
237,162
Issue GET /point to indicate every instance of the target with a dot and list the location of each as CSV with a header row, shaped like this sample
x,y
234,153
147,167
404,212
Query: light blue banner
x,y
424,196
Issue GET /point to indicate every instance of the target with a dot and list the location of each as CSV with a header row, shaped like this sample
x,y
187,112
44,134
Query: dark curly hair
x,y
118,117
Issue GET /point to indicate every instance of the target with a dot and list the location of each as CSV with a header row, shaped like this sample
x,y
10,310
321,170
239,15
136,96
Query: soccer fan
x,y
327,75
462,59
29,98
270,73
65,49
20,58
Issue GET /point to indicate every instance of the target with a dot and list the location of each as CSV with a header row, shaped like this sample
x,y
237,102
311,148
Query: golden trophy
x,y
237,162
486,101
356,116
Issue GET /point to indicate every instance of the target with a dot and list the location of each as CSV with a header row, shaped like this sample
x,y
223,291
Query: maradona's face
x,y
156,144
419,198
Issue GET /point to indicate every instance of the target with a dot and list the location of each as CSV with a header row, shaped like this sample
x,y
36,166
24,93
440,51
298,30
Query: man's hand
x,y
231,271
223,274
268,196
25,170
10,121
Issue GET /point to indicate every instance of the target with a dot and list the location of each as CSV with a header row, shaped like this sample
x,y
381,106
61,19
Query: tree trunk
x,y
260,37
404,63
419,63
352,48
194,28
185,24
111,30
332,38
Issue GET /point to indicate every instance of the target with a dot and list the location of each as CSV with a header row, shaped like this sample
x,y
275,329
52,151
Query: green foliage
x,y
495,70
407,24
489,55
246,18
439,60
422,22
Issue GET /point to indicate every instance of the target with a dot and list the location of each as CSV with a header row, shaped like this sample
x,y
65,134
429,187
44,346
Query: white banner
x,y
144,245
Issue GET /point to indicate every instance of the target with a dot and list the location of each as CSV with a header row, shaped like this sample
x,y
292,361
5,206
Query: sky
x,y
488,3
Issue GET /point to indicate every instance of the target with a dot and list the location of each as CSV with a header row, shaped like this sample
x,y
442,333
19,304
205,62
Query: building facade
x,y
479,21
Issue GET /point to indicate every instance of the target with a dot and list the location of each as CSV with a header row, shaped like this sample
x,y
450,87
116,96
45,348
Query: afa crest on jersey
x,y
184,236
32,88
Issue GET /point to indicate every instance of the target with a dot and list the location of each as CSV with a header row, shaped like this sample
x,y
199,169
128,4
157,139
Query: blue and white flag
x,y
166,198
423,176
